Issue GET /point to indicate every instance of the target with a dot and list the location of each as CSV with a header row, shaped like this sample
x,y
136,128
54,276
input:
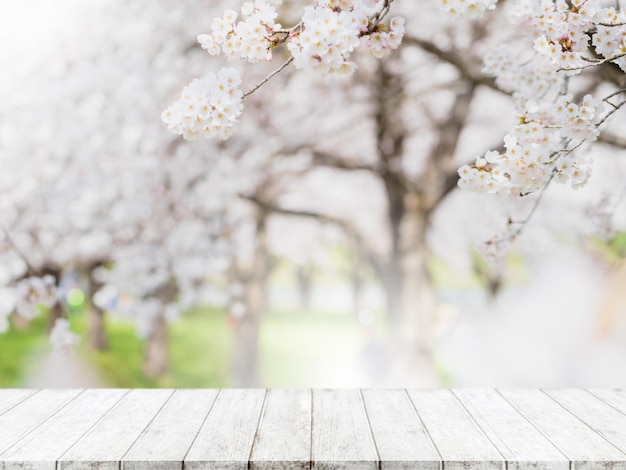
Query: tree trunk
x,y
97,336
156,361
56,312
156,354
411,295
245,361
394,289
304,274
356,283
245,365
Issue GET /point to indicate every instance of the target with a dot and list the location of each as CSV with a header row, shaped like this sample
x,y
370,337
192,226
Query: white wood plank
x,y
40,449
12,396
582,445
225,440
400,437
27,415
521,444
460,442
601,417
283,439
106,443
615,398
342,438
167,439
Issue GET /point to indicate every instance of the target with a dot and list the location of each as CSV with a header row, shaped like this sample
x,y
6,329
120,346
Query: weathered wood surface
x,y
313,429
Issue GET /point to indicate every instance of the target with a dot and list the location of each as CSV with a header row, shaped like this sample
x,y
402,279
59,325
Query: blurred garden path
x,y
61,370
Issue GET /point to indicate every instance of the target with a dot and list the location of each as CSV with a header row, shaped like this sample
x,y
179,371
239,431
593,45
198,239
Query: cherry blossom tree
x,y
414,94
550,64
111,196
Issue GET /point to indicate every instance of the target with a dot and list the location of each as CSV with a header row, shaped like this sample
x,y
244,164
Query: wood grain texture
x,y
13,396
521,444
342,438
598,415
400,437
167,439
320,429
225,440
581,444
615,398
104,446
27,415
460,442
40,449
283,440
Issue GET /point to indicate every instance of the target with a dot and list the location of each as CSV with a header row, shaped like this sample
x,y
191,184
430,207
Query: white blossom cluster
x,y
563,29
148,281
468,8
525,79
33,293
133,284
551,125
610,37
327,39
323,41
332,29
248,39
538,149
31,296
209,106
384,39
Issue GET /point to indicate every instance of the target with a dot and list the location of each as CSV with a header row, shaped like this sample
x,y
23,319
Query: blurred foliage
x,y
482,274
612,250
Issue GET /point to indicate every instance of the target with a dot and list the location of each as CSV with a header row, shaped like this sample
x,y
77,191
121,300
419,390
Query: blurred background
x,y
324,245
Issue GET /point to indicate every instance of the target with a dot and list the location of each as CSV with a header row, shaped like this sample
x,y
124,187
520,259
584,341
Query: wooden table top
x,y
322,429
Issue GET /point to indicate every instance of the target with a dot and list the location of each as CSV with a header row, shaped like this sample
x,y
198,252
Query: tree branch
x,y
344,225
269,77
440,172
321,158
453,57
612,139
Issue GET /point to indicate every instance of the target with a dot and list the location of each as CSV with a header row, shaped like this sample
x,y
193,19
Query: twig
x,y
612,139
566,151
615,93
378,17
608,115
593,64
523,223
269,77
375,20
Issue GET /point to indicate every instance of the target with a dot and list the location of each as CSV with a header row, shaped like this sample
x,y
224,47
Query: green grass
x,y
17,347
200,350
309,349
199,346
297,350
